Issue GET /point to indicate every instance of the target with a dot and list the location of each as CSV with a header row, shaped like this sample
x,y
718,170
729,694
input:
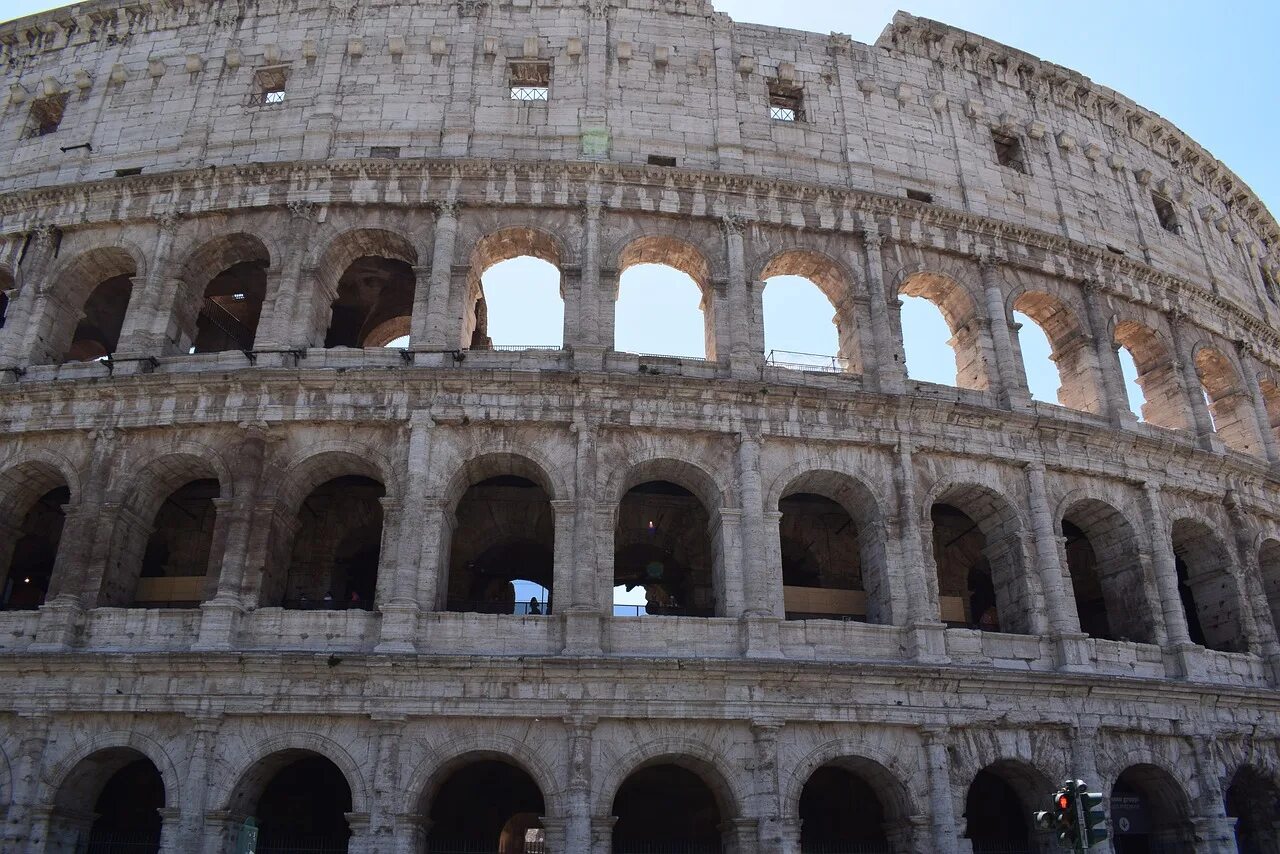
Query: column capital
x,y
446,209
872,238
733,224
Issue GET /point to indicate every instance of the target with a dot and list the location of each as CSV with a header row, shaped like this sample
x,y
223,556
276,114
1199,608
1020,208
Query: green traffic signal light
x,y
1095,817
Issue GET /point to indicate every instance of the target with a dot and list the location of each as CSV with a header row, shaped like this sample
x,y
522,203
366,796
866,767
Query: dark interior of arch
x,y
840,809
966,590
505,533
1153,810
374,303
488,806
303,808
337,546
98,332
821,550
231,307
34,552
1253,800
1106,574
690,817
994,814
1269,564
1207,588
126,809
663,544
178,548
4,301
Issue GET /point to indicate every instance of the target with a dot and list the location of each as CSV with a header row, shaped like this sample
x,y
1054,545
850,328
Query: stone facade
x,y
189,466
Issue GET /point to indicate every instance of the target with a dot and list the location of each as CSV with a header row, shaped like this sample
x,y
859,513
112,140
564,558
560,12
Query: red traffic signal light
x,y
1064,801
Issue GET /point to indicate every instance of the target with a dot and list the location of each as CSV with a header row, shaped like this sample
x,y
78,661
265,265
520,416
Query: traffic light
x,y
1094,817
1064,814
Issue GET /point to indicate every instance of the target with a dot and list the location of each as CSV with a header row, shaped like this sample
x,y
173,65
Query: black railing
x,y
123,842
999,846
660,611
271,843
845,848
519,609
667,848
463,846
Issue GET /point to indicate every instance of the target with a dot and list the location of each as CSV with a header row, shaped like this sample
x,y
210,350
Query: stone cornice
x,y
427,181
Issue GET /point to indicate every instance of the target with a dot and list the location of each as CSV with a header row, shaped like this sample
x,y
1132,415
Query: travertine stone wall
x,y
1181,510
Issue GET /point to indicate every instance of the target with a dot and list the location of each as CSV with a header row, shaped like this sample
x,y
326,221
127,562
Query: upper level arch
x,y
1080,381
1164,402
91,293
326,461
945,287
1230,404
706,484
366,276
224,284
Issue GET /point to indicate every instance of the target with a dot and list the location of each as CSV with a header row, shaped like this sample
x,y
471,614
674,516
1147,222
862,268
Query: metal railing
x,y
660,611
667,848
845,848
519,609
999,846
815,362
272,843
455,846
323,605
511,348
122,842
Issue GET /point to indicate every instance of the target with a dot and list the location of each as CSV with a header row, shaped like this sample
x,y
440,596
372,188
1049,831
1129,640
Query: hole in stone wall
x,y
523,306
35,552
46,115
1165,213
374,303
662,545
661,160
502,550
920,196
530,81
98,333
1009,151
786,102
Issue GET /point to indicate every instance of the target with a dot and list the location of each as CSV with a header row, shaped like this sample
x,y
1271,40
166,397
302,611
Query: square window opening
x,y
530,81
920,196
1165,213
271,84
46,115
661,160
385,152
786,102
1009,151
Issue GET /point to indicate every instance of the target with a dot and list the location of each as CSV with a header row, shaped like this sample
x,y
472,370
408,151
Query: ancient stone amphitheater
x,y
261,571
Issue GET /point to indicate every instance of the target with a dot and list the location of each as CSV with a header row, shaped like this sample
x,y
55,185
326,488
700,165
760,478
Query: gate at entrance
x,y
1148,813
487,807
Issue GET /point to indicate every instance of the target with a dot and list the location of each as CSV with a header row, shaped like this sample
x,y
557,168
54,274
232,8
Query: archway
x,y
664,557
1253,800
97,334
175,561
946,298
802,293
1149,813
6,288
1210,598
487,805
368,280
1067,374
1164,404
1106,573
31,560
337,547
502,548
109,803
515,292
693,820
979,560
230,303
1234,419
299,801
85,320
661,282
852,805
998,808
1269,564
833,550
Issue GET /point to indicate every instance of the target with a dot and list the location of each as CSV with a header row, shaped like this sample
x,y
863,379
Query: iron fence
x,y
845,848
273,843
995,846
123,842
815,362
666,848
519,609
659,611
542,348
456,846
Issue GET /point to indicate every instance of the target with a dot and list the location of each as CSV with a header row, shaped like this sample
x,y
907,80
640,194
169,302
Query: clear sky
x,y
1207,67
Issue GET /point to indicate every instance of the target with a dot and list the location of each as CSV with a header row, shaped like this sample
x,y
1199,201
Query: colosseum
x,y
272,497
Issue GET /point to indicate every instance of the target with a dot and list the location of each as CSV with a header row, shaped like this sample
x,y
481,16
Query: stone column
x,y
763,598
1012,390
610,283
577,831
172,840
151,301
1064,622
563,569
362,840
883,360
602,833
418,325
459,115
727,538
1213,829
1249,367
279,327
432,332
582,614
384,804
28,309
766,806
1185,368
434,517
1115,400
943,821
1166,575
195,785
28,766
742,313
389,564
593,124
574,300
1255,616
728,132
408,567
926,629
1084,764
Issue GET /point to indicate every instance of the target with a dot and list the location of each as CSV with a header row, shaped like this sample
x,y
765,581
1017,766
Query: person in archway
x,y
534,607
328,600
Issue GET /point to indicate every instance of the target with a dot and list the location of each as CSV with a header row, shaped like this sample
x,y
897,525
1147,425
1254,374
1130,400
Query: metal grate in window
x,y
529,93
782,114
786,102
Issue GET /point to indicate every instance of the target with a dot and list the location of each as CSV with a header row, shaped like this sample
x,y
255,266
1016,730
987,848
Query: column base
x,y
582,633
399,628
927,643
589,357
745,367
1272,667
60,623
761,636
1072,653
1215,834
219,624
1189,663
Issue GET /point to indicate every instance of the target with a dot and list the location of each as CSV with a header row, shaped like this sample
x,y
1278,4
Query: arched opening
x,y
110,802
1271,398
979,560
336,550
925,297
1253,800
488,805
175,562
1210,598
502,549
231,301
1232,409
1269,564
1056,355
367,283
1132,390
98,333
35,551
662,281
1149,812
664,557
6,288
998,809
852,805
515,292
299,801
833,551
801,295
1106,573
1163,402
666,807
